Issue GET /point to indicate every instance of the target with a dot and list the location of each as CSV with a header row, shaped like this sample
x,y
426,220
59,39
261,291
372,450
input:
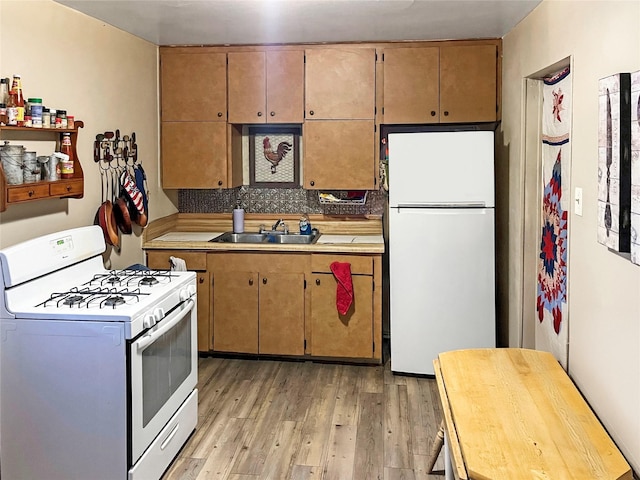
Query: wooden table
x,y
515,414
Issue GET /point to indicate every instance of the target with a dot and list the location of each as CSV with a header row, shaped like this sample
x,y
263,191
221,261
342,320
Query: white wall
x,y
103,76
602,38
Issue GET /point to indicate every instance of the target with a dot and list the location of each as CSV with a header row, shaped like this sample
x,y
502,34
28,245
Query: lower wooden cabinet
x,y
335,335
258,303
197,261
358,333
283,303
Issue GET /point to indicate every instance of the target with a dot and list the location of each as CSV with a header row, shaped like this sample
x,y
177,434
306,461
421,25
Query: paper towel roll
x,y
238,220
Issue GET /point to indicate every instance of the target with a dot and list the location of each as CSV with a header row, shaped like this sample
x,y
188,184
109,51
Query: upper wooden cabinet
x,y
266,87
411,80
340,83
448,84
339,155
468,84
198,155
193,87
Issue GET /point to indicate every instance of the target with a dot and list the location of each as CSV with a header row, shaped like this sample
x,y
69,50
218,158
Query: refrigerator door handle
x,y
443,205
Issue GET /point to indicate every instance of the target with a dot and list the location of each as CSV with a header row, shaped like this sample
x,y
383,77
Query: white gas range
x,y
98,368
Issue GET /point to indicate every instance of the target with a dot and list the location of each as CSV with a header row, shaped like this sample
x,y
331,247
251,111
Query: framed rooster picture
x,y
274,156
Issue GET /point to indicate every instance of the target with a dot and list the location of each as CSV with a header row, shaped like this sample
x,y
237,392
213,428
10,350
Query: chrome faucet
x,y
279,222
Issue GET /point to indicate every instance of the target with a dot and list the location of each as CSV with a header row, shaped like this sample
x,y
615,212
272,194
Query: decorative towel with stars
x,y
556,162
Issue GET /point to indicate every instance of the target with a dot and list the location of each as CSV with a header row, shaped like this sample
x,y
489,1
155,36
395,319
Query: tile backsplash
x,y
274,200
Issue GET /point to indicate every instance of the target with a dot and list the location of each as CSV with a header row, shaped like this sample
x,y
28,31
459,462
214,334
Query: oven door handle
x,y
168,324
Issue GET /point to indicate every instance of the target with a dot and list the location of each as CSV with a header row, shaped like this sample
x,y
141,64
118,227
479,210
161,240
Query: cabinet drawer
x,y
28,192
66,188
159,259
360,265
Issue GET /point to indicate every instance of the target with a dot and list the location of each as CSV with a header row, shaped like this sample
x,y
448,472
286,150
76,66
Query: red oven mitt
x,y
344,290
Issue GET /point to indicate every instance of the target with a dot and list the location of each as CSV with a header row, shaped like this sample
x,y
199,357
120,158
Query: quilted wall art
x,y
556,161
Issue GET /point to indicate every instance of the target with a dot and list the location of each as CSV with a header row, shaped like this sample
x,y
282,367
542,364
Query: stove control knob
x,y
187,293
158,314
149,321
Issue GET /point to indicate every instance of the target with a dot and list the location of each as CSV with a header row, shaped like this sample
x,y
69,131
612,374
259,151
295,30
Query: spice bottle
x,y
66,166
46,119
4,90
16,100
4,119
36,112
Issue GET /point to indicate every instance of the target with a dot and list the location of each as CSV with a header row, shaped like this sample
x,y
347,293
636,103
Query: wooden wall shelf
x,y
27,192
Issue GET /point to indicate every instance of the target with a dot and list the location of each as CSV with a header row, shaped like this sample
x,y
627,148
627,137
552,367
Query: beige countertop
x,y
193,232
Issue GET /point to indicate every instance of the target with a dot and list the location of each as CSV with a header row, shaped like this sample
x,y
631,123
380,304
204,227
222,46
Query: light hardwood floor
x,y
281,420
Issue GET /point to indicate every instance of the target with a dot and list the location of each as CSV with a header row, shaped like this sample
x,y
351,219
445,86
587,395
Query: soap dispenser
x,y
305,225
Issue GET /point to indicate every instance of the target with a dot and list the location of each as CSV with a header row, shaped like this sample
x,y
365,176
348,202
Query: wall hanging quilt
x,y
556,161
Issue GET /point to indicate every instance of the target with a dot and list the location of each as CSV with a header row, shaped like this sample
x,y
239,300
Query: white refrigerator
x,y
441,245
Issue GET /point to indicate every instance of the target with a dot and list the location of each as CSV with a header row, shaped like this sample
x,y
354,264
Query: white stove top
x,y
70,283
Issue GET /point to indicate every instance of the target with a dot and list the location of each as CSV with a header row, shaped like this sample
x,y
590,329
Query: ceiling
x,y
219,22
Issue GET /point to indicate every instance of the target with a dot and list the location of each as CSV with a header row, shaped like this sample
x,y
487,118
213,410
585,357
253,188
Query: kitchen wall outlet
x,y
578,201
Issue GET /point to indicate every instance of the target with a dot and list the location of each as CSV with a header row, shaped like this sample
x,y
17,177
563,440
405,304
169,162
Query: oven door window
x,y
166,364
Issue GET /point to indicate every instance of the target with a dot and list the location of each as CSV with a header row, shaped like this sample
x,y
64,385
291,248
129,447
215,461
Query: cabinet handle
x,y
251,281
68,188
201,280
219,183
310,112
264,281
317,281
433,113
219,114
273,114
446,114
312,183
259,114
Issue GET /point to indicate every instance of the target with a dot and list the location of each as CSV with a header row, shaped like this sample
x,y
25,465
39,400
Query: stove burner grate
x,y
113,301
100,297
73,300
125,278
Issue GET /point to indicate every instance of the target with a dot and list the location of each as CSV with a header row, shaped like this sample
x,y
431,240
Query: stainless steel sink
x,y
290,238
230,237
267,237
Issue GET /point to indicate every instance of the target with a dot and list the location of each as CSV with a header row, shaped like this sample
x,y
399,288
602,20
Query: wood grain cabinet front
x,y
339,155
197,261
447,84
266,86
340,83
258,303
356,335
195,138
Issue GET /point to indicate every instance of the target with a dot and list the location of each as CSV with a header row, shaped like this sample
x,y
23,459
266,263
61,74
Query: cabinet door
x,y
204,317
194,154
235,312
281,313
411,85
247,87
285,86
339,155
340,83
193,87
335,335
468,83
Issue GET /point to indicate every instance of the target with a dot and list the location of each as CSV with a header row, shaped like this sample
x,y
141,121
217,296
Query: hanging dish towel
x,y
178,264
344,290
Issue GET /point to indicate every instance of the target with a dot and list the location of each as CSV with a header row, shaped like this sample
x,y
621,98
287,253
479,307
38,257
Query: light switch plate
x,y
578,201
